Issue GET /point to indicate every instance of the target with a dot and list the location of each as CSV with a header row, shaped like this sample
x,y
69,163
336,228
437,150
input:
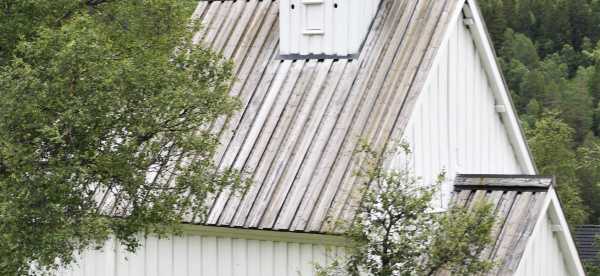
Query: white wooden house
x,y
315,78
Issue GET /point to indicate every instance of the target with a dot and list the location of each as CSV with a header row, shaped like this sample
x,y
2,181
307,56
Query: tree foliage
x,y
397,233
103,97
550,142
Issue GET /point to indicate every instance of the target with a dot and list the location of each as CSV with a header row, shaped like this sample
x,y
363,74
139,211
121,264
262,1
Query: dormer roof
x,y
523,206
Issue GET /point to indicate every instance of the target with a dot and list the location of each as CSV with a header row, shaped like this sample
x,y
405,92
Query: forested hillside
x,y
549,51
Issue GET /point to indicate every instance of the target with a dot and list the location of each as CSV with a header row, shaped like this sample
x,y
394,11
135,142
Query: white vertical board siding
x,y
543,255
454,126
324,27
203,255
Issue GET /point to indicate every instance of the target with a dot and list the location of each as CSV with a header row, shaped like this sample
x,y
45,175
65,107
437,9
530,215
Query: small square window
x,y
314,18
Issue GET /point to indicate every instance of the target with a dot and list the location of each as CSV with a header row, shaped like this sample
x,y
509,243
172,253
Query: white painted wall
x,y
324,27
454,126
543,255
208,255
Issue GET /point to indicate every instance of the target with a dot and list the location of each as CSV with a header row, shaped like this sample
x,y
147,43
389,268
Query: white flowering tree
x,y
396,233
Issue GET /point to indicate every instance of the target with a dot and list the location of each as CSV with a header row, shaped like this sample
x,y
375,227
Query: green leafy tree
x,y
580,17
496,21
551,141
396,233
518,46
588,157
21,20
103,98
514,72
576,103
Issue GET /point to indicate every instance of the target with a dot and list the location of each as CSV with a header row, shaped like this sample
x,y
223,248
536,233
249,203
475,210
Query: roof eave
x,y
552,209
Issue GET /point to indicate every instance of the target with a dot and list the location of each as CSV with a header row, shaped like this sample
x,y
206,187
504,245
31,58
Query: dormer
x,y
324,28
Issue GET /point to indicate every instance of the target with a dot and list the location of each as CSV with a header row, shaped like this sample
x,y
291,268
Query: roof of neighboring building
x,y
585,238
301,120
518,203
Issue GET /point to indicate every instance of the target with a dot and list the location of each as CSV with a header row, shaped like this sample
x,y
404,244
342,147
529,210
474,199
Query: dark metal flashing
x,y
316,57
507,176
458,187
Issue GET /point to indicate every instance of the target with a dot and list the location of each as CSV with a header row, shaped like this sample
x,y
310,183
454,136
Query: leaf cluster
x,y
397,233
105,115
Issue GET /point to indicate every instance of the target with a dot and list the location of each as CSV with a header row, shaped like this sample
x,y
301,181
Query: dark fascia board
x,y
316,57
507,176
500,188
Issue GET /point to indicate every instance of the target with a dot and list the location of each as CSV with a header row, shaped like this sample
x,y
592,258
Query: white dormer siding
x,y
324,27
457,124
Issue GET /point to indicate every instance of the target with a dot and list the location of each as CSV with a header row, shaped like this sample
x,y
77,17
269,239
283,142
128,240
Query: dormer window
x,y
324,28
314,17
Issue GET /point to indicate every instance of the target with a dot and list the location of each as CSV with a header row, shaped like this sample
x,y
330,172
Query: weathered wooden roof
x,y
585,238
518,203
301,120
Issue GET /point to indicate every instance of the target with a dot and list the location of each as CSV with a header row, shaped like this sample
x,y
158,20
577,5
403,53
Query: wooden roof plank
x,y
358,116
316,136
380,128
354,82
265,144
534,208
256,53
264,162
272,197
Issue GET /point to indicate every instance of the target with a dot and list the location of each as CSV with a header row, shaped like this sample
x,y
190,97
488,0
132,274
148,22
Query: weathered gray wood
x,y
271,142
239,32
243,147
302,154
354,82
495,198
216,26
261,154
230,19
251,111
478,198
516,211
419,81
503,181
462,198
269,203
528,224
356,120
512,228
265,160
255,58
206,21
379,134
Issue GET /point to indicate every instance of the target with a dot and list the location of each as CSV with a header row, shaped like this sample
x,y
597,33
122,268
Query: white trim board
x,y
483,43
552,210
501,92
